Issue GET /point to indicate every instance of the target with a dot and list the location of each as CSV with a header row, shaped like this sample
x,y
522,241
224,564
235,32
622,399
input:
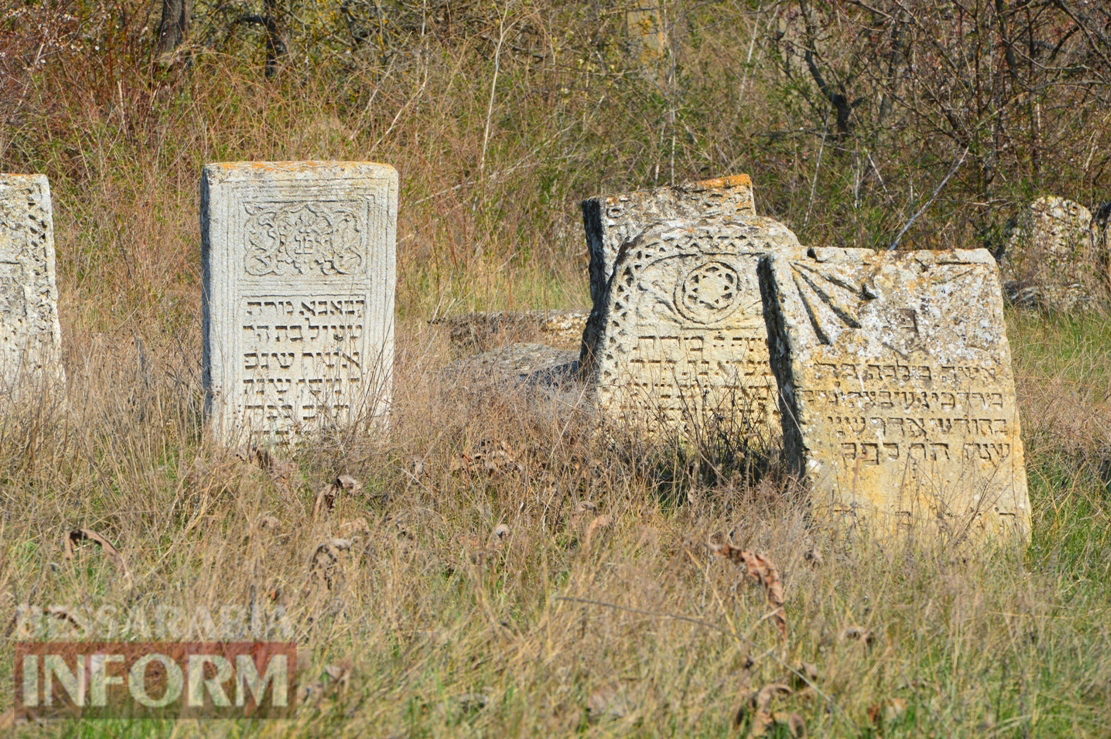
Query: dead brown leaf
x,y
792,721
803,676
857,633
280,470
325,558
491,457
599,523
339,673
887,711
609,701
758,568
759,705
79,535
269,522
326,498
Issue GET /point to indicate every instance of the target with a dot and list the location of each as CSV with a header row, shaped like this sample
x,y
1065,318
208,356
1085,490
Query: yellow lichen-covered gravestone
x,y
678,337
896,388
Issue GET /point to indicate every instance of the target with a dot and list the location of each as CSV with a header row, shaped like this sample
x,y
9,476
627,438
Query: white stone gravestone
x,y
299,276
30,336
679,340
611,220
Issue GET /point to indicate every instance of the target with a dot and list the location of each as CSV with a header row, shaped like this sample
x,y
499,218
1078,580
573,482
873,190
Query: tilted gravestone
x,y
299,278
678,339
611,220
30,335
896,388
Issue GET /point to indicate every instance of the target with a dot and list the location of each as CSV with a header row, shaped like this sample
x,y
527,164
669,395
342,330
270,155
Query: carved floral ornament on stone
x,y
284,238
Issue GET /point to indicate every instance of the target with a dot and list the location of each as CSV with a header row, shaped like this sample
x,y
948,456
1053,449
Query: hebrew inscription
x,y
299,292
896,387
612,220
680,339
30,335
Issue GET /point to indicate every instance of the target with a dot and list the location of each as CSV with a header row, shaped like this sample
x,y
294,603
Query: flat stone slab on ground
x,y
611,220
679,339
517,364
299,279
897,389
30,335
477,332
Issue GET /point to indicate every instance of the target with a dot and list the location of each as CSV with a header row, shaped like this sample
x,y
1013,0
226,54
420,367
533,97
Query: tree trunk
x,y
276,46
171,30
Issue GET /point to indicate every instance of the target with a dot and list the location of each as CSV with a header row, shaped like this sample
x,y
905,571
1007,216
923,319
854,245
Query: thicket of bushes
x,y
502,116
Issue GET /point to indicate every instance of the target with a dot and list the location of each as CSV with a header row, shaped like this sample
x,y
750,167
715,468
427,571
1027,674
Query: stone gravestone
x,y
679,337
896,388
299,278
1056,258
611,220
30,335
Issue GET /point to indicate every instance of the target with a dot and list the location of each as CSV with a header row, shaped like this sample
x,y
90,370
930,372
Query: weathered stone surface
x,y
516,364
612,220
1056,258
896,388
30,335
299,279
478,332
679,339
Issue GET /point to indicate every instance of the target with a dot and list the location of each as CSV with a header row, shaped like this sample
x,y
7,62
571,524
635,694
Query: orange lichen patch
x,y
292,166
729,182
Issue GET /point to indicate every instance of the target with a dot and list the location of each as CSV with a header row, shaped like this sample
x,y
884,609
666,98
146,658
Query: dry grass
x,y
600,609
507,574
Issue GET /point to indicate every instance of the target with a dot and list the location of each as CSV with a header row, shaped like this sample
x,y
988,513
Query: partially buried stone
x,y
516,365
897,390
678,340
611,220
299,279
30,335
478,332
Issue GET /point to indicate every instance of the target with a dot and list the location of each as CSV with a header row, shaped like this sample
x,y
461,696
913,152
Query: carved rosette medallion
x,y
709,292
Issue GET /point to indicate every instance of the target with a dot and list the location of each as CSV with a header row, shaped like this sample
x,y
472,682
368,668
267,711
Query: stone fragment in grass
x,y
1057,258
299,273
677,341
30,335
896,389
479,332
